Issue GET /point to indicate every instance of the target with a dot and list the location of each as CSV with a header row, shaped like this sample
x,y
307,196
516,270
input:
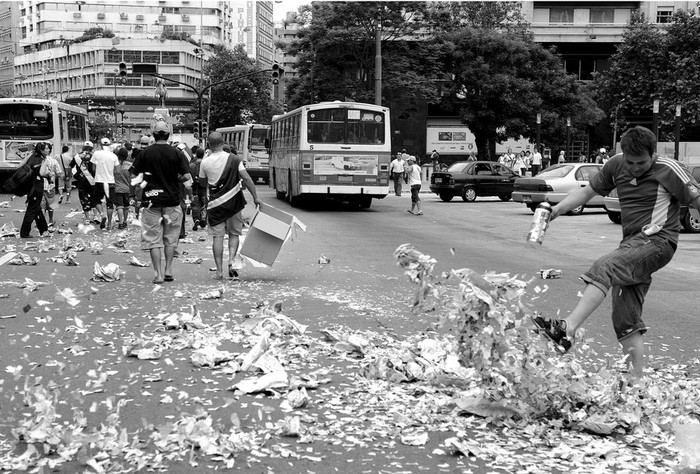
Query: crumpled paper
x,y
9,230
183,320
263,383
137,263
67,257
96,248
210,356
23,259
109,272
212,295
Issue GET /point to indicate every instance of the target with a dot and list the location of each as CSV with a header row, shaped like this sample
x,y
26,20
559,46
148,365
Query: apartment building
x,y
70,50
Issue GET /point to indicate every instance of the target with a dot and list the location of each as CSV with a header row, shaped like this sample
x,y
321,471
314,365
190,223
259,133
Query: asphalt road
x,y
78,351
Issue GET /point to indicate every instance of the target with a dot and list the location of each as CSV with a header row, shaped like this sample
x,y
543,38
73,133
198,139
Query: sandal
x,y
410,211
156,281
168,278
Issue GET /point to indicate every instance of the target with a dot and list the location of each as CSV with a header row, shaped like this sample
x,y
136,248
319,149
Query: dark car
x,y
470,179
689,223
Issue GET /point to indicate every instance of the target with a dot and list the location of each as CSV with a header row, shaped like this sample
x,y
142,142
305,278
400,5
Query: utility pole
x,y
378,64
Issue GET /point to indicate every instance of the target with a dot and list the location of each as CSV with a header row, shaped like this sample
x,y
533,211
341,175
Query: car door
x,y
504,179
583,175
484,178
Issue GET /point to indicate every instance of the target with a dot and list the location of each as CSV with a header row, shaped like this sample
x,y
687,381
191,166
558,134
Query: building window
x,y
171,57
132,56
151,57
583,69
114,57
664,14
561,15
602,15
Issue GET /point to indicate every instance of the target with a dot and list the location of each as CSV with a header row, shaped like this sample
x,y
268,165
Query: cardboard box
x,y
268,231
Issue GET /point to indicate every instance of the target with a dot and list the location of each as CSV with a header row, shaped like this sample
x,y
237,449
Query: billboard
x,y
449,140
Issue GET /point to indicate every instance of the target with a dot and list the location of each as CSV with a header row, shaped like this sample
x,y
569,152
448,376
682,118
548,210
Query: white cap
x,y
105,141
88,144
602,150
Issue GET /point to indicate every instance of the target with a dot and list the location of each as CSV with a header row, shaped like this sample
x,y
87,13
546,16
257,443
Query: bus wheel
x,y
365,202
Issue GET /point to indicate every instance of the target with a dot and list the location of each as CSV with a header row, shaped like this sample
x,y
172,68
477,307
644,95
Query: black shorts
x,y
121,200
99,192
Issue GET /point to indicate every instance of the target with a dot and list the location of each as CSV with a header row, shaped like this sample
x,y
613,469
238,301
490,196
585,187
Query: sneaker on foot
x,y
103,223
195,227
555,331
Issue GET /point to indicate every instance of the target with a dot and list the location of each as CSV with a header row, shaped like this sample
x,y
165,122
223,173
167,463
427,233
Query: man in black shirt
x,y
163,169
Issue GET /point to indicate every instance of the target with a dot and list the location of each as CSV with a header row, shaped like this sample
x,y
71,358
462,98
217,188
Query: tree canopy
x,y
476,57
244,100
652,63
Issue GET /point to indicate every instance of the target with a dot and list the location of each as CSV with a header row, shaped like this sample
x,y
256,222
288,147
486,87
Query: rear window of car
x,y
556,171
586,173
457,167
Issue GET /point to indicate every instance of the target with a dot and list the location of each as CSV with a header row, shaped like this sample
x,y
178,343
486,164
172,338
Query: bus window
x,y
257,137
26,120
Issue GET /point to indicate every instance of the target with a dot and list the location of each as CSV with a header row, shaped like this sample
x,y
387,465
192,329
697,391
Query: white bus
x,y
26,122
340,150
249,141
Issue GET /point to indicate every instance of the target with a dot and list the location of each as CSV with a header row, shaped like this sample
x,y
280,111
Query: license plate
x,y
438,180
527,198
347,179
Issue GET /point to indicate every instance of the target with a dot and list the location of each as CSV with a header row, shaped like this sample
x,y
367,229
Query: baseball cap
x,y
105,141
144,140
88,144
602,150
161,127
181,146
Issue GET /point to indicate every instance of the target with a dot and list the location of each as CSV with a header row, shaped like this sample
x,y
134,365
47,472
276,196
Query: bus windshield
x,y
347,126
19,120
257,138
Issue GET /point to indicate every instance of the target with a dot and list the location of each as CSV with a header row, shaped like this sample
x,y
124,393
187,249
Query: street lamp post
x,y
539,127
568,137
656,119
677,144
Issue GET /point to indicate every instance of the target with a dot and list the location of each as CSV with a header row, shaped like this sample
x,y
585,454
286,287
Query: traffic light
x,y
123,72
277,72
285,108
204,130
197,128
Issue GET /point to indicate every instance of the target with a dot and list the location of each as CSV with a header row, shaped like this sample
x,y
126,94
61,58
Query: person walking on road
x,y
52,172
397,172
162,169
224,176
83,170
64,160
413,179
36,193
105,161
651,189
122,186
199,193
536,162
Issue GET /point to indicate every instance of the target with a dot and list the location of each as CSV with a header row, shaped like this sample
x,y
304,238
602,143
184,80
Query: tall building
x,y
71,50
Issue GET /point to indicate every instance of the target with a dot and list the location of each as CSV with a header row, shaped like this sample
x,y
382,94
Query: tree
x,y
244,100
100,126
651,63
500,83
336,54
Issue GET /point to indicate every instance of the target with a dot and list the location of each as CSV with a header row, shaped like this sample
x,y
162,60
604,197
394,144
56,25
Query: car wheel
x,y
690,224
615,217
504,197
447,197
577,211
532,206
469,194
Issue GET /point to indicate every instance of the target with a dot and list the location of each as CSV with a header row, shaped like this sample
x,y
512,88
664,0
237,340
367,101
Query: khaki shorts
x,y
160,227
231,226
49,200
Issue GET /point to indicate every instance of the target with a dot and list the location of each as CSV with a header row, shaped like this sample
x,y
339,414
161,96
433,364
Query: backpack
x,y
20,183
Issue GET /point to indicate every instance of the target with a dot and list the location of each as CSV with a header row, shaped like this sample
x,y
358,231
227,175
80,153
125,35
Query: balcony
x,y
100,16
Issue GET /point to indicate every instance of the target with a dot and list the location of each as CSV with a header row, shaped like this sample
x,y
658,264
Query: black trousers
x,y
33,213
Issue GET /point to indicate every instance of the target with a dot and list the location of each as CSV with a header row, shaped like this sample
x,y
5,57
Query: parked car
x,y
555,183
689,223
470,179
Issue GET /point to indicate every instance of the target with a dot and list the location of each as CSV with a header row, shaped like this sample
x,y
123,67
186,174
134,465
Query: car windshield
x,y
457,167
556,171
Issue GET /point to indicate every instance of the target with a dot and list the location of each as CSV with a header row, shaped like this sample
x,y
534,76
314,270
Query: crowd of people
x,y
162,181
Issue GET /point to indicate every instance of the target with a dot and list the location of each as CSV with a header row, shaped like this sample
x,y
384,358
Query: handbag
x,y
20,183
